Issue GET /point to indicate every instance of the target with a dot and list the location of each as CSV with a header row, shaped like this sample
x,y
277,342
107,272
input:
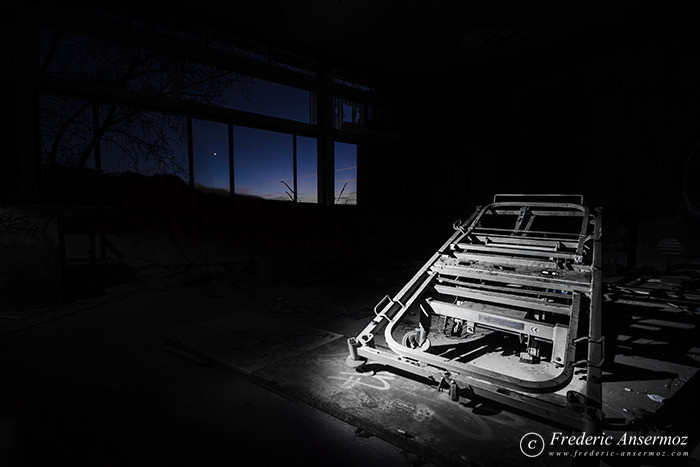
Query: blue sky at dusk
x,y
306,169
210,146
345,173
262,159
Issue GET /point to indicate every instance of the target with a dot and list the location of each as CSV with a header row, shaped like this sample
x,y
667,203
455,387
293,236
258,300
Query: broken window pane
x,y
263,163
350,115
148,143
345,173
66,132
211,159
307,188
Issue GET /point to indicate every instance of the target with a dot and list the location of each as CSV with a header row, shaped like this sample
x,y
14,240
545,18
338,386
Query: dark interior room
x,y
221,228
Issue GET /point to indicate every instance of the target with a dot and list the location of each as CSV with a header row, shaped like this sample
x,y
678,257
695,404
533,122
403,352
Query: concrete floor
x,y
96,388
90,383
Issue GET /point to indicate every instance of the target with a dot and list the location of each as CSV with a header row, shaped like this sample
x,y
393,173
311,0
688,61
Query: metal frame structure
x,y
541,285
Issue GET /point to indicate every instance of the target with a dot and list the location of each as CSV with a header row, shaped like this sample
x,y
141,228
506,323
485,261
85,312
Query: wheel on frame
x,y
411,340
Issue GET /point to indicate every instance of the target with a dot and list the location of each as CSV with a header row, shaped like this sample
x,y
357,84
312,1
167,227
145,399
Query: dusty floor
x,y
90,383
96,388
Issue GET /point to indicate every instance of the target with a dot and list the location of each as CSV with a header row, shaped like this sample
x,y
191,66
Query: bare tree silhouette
x,y
289,191
70,129
340,195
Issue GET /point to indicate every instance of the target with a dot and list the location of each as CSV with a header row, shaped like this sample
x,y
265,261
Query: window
x,y
263,163
307,181
210,85
345,173
349,115
215,157
274,100
66,132
148,143
74,56
269,165
210,156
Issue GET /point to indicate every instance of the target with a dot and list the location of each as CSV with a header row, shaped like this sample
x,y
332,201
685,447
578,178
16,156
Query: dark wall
x,y
615,118
619,124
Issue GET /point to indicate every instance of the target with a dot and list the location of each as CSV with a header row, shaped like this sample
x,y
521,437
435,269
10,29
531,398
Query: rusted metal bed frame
x,y
518,281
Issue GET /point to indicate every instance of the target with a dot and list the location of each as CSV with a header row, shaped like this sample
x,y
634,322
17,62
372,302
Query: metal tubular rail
x,y
408,290
506,299
540,195
596,357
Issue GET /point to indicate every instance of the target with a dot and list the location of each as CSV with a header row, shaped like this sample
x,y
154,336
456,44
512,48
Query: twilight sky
x,y
263,160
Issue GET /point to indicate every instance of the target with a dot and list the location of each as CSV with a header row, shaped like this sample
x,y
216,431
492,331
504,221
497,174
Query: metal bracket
x,y
445,380
378,306
594,237
588,339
